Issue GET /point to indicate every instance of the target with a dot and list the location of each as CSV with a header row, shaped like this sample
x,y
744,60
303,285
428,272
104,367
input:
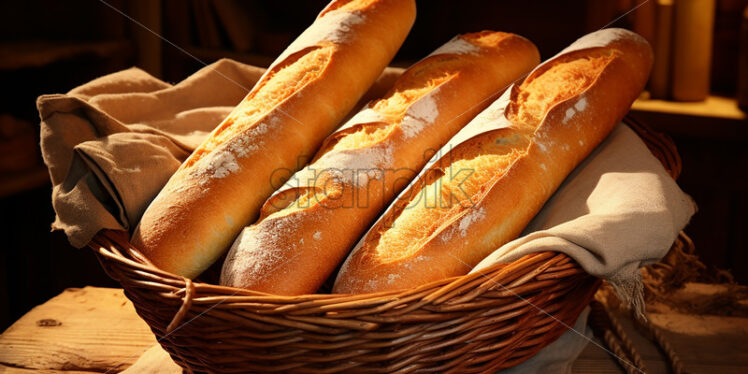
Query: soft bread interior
x,y
458,187
284,80
363,136
305,198
414,84
560,80
463,177
489,39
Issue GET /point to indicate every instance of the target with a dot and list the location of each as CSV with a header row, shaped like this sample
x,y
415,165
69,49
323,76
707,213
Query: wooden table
x,y
96,330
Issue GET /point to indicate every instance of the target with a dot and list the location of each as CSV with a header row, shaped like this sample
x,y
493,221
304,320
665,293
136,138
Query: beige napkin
x,y
111,144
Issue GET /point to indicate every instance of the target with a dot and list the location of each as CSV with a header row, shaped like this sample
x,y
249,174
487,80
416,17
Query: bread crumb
x,y
317,235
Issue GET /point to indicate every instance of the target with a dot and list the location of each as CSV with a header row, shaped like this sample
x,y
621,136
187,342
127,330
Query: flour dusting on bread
x,y
354,166
420,114
456,46
223,161
335,27
580,106
259,251
475,215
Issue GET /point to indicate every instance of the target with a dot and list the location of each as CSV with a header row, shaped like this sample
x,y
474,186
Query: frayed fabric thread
x,y
630,290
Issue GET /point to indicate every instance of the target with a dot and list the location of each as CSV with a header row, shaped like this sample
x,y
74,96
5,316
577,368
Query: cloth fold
x,y
111,144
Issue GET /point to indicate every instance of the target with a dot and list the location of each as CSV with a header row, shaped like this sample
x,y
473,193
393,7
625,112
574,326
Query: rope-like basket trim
x,y
481,322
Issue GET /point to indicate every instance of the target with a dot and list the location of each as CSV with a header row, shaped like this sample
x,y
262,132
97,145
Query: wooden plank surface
x,y
96,330
88,330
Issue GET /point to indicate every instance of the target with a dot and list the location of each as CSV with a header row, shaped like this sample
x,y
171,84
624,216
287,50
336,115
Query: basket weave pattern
x,y
482,322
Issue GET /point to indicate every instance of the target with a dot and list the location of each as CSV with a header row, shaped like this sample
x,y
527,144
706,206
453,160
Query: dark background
x,y
49,46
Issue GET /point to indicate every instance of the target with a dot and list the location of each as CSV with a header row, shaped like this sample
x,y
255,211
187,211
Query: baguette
x,y
299,100
306,228
497,173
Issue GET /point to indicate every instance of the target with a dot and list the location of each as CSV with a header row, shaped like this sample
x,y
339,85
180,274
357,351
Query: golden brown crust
x,y
306,230
298,102
553,120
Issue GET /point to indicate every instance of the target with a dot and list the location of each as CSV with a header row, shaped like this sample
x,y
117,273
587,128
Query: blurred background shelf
x,y
13,183
206,54
34,54
712,107
717,117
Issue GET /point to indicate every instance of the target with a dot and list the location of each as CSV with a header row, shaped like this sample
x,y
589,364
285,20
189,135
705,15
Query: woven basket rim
x,y
486,319
106,242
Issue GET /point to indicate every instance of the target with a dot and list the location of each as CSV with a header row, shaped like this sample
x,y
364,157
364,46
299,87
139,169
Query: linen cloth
x,y
111,144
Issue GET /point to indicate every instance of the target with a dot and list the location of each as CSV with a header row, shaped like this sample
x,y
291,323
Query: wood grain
x,y
88,329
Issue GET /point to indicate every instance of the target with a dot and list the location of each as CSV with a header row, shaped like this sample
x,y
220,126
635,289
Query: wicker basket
x,y
481,322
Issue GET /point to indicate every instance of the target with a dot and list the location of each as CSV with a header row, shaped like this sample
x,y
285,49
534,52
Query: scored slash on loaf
x,y
308,226
298,102
489,181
